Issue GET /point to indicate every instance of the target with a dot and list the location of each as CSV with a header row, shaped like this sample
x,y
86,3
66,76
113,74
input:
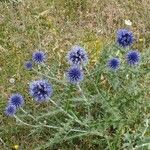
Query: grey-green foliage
x,y
108,113
117,103
138,139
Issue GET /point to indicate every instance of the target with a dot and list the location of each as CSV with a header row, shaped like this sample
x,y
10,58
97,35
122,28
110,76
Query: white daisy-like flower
x,y
128,22
12,80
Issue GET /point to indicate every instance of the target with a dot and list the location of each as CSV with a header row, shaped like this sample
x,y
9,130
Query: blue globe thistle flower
x,y
125,37
39,57
10,110
28,65
77,56
40,90
133,57
114,64
17,100
75,75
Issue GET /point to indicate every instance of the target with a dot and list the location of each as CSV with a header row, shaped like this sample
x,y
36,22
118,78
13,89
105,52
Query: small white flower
x,y
45,122
12,80
127,76
128,22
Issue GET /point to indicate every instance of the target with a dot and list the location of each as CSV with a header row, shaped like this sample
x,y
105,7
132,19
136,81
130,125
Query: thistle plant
x,y
77,56
16,100
10,110
28,65
91,105
133,57
114,63
74,75
40,90
124,37
38,57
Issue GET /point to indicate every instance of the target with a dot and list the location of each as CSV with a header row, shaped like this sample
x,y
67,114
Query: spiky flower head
x,y
125,37
28,65
10,110
17,100
75,75
77,56
40,90
39,57
133,57
113,64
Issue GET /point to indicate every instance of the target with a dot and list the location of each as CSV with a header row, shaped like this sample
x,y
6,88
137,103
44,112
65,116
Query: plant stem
x,y
77,120
92,82
39,122
49,126
85,99
28,114
1,140
142,145
49,77
35,126
147,121
22,122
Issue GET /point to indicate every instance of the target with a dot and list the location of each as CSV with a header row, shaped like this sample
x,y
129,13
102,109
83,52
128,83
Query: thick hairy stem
x,y
35,126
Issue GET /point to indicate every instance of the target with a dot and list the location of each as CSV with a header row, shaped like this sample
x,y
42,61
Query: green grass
x,y
119,117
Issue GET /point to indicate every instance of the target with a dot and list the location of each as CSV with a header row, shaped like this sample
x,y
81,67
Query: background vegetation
x,y
56,25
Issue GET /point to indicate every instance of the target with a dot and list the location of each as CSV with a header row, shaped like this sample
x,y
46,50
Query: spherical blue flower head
x,y
125,37
40,90
133,57
28,65
39,57
114,64
10,110
75,75
17,100
77,56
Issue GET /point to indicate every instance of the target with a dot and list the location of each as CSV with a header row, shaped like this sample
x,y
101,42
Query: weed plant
x,y
100,107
